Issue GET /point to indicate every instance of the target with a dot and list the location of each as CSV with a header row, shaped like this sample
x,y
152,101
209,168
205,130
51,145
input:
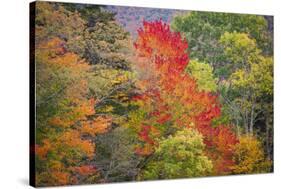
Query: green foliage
x,y
252,78
108,44
259,78
112,87
204,29
240,49
178,156
92,14
203,73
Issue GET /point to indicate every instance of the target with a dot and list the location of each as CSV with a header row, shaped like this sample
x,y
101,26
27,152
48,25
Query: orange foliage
x,y
172,96
84,170
72,139
220,143
62,178
98,126
74,117
42,150
144,150
53,47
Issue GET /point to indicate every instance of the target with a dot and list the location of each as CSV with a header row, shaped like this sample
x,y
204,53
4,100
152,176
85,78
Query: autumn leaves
x,y
65,132
174,101
109,109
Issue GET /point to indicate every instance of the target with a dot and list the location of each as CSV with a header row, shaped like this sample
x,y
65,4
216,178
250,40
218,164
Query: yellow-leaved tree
x,y
249,157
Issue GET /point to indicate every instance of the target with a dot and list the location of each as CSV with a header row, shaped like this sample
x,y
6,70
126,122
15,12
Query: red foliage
x,y
143,134
219,146
173,94
155,40
164,118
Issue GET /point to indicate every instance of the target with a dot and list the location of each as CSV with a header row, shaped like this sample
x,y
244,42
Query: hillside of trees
x,y
188,95
131,18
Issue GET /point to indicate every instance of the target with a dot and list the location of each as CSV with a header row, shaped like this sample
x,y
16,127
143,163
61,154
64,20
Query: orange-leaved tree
x,y
169,100
66,123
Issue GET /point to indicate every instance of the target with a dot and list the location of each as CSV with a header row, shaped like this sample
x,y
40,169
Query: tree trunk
x,y
246,123
252,119
267,137
237,128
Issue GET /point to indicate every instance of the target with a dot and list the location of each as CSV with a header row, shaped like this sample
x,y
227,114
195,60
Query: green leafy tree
x,y
252,79
249,91
107,43
179,156
203,73
204,29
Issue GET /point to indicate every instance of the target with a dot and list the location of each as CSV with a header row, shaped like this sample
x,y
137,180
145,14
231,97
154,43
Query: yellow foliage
x,y
249,157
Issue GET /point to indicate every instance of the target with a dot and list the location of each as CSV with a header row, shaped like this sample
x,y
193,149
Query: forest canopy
x,y
189,96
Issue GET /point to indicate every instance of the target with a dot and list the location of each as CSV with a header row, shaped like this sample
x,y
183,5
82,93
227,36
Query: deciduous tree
x,y
168,98
249,157
178,156
66,121
204,29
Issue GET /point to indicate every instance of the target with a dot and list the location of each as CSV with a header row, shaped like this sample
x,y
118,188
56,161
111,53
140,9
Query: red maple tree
x,y
172,97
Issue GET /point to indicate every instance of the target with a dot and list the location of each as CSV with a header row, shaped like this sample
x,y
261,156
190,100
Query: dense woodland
x,y
190,97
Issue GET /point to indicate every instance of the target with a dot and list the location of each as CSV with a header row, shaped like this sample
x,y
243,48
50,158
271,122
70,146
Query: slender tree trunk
x,y
237,128
252,119
246,126
267,137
